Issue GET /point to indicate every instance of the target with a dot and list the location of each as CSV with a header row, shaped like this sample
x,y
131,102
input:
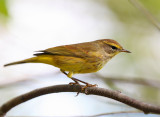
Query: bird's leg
x,y
76,81
70,76
86,83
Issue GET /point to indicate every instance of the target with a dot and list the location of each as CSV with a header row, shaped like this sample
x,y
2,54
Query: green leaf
x,y
3,8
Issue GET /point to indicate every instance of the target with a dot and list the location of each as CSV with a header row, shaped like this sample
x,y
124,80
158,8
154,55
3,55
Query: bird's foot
x,y
74,83
89,85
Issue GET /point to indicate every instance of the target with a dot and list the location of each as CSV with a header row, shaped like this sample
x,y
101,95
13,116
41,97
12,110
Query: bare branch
x,y
140,81
119,112
146,108
146,13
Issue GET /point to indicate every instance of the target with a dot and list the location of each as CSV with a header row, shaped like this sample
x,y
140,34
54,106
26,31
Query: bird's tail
x,y
30,60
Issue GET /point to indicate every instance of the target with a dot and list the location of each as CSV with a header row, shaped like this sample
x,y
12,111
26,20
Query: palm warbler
x,y
78,58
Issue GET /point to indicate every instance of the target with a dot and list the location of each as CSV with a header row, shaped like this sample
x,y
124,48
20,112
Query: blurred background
x,y
30,25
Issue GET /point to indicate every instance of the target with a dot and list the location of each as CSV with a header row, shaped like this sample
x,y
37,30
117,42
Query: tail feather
x,y
14,63
30,60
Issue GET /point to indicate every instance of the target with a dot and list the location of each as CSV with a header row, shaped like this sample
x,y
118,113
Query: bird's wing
x,y
67,50
86,50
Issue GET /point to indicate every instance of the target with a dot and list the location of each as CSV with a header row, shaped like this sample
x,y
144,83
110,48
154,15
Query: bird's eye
x,y
114,48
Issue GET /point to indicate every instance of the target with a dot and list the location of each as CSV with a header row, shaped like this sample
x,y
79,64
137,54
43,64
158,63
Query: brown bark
x,y
146,108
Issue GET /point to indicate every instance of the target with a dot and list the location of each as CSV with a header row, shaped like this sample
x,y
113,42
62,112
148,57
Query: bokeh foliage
x,y
138,31
4,15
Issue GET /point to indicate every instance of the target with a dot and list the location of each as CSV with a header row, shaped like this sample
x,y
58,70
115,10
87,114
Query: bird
x,y
80,58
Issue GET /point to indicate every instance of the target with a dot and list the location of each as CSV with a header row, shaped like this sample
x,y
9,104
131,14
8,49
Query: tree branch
x,y
146,13
146,108
131,80
112,113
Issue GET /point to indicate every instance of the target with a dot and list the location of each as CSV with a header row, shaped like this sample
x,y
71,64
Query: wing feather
x,y
68,50
81,50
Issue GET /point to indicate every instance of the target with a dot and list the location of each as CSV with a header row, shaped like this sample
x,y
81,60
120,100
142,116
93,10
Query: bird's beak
x,y
123,50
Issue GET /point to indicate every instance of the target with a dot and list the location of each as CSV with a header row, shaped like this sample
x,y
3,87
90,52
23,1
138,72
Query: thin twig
x,y
146,13
119,112
140,81
146,108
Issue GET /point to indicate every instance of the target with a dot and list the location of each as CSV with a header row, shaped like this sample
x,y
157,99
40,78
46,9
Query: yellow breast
x,y
74,64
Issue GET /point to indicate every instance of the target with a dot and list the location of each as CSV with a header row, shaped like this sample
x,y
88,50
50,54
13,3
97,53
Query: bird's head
x,y
112,47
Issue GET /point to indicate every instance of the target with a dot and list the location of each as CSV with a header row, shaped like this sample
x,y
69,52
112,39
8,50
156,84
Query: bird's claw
x,y
89,85
83,87
74,83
